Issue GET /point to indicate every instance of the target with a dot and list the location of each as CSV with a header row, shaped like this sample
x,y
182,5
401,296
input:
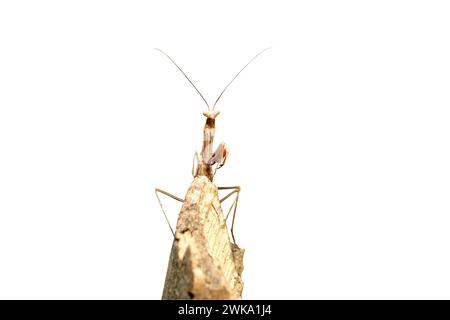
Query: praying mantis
x,y
209,162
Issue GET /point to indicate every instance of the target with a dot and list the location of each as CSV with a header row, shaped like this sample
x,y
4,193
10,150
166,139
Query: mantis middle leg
x,y
160,203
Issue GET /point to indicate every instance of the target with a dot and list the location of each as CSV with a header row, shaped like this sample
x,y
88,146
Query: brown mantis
x,y
209,162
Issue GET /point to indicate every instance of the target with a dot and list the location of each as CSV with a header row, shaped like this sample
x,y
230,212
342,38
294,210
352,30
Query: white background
x,y
339,137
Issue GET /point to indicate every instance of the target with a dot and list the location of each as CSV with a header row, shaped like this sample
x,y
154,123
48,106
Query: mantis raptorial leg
x,y
160,203
236,190
194,167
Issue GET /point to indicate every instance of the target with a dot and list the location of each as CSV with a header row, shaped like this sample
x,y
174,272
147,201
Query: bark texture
x,y
203,263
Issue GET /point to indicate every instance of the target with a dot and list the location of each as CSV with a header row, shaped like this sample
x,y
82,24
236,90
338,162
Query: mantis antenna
x,y
184,74
220,95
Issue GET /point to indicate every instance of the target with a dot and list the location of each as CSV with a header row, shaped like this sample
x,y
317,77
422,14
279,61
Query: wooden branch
x,y
203,263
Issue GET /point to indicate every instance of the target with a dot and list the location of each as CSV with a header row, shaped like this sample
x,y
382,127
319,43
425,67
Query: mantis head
x,y
211,114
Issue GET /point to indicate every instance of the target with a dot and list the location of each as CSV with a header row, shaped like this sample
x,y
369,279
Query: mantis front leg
x,y
236,190
194,166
